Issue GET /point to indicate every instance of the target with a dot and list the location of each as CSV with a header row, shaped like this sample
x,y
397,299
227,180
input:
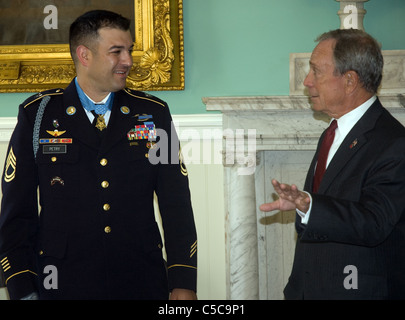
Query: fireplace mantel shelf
x,y
282,103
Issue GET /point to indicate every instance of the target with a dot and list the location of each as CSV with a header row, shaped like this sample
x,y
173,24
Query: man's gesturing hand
x,y
290,198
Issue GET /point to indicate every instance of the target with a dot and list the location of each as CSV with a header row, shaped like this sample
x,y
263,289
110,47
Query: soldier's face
x,y
110,60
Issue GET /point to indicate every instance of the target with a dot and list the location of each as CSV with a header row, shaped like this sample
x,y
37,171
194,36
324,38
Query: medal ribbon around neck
x,y
90,105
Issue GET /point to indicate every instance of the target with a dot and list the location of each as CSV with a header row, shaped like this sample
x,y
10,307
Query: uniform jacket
x,y
357,218
96,223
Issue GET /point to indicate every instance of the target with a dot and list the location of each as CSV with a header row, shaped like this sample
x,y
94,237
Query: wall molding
x,y
393,82
7,125
204,126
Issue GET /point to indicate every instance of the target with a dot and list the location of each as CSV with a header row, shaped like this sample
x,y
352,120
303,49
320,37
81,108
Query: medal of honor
x,y
100,125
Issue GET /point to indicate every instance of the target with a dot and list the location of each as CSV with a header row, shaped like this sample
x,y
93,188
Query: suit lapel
x,y
354,141
349,147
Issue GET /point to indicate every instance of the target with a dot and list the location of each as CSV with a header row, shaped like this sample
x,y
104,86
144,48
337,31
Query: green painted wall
x,y
242,47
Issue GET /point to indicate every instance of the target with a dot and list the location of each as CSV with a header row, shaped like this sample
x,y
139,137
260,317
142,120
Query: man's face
x,y
110,61
326,90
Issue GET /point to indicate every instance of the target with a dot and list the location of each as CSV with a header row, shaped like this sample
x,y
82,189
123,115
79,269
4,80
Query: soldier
x,y
96,228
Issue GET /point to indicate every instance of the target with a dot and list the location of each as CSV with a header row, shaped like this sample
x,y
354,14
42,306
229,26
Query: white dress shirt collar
x,y
346,123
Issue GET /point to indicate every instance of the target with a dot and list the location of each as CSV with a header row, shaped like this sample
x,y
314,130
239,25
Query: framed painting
x,y
34,50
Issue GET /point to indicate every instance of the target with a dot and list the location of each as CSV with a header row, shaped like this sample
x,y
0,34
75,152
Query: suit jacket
x,y
96,226
357,218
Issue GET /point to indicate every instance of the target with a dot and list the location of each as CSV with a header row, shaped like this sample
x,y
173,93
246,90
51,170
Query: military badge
x,y
56,133
146,131
49,141
143,117
125,110
101,125
55,180
71,110
151,145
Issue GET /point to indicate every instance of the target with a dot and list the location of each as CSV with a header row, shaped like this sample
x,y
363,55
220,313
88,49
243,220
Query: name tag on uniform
x,y
55,149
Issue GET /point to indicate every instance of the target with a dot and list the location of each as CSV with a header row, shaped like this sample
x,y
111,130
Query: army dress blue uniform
x,y
96,225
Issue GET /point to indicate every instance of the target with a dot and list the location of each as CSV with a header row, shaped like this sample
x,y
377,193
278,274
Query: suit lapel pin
x,y
353,144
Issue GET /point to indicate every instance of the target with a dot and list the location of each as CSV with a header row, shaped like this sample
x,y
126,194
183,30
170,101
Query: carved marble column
x,y
239,159
241,235
351,14
273,130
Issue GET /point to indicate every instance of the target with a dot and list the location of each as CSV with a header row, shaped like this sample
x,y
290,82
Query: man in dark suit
x,y
96,236
350,218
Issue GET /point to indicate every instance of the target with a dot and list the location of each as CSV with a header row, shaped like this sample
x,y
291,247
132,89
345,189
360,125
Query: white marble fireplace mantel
x,y
282,122
260,246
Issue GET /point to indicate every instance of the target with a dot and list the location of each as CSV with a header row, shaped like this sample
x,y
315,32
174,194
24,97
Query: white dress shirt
x,y
345,124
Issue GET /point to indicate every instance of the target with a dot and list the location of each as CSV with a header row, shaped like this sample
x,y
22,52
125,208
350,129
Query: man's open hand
x,y
290,198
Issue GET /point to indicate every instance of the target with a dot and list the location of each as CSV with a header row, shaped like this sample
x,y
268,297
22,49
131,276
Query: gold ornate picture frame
x,y
157,27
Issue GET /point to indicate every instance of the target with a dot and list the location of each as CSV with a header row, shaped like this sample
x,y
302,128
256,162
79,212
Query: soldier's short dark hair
x,y
85,28
356,50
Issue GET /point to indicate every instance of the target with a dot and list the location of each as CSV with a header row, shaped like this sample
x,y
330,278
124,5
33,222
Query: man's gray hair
x,y
355,50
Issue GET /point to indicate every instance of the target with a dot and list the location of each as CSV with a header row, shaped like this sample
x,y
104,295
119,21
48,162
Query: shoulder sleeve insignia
x,y
144,96
42,94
